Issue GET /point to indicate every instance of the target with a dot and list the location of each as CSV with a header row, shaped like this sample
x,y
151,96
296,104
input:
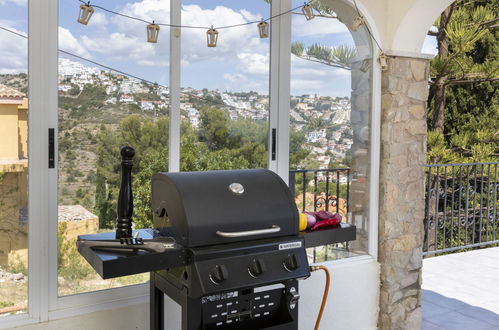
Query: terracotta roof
x,y
74,213
7,92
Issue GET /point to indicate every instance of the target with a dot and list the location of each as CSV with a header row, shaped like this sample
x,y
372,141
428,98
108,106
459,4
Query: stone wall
x,y
401,213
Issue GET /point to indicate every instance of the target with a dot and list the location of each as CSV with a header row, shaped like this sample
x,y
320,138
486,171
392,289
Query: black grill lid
x,y
215,207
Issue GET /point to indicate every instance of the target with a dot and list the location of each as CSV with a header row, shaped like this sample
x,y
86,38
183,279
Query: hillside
x,y
93,101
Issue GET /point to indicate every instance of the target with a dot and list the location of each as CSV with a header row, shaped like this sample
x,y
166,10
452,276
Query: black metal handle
x,y
274,138
51,148
125,198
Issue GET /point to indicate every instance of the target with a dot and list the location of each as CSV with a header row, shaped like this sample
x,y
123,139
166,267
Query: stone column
x,y
401,205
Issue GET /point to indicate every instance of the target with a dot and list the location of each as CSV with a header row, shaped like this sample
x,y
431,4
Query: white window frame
x,y
280,64
43,301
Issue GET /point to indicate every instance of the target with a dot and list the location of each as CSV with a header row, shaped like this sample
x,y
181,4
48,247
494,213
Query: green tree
x,y
463,101
242,145
467,52
148,138
214,129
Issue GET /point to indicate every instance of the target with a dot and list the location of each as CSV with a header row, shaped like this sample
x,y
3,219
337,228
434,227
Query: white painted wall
x,y
127,318
353,297
352,304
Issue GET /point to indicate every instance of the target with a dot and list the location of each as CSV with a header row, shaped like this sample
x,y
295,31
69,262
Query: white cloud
x,y
98,19
254,63
16,2
158,10
14,50
238,47
317,27
309,78
249,16
70,44
127,40
231,42
122,47
235,77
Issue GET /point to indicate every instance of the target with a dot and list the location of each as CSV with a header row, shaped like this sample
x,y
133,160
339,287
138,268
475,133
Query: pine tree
x,y
463,102
460,31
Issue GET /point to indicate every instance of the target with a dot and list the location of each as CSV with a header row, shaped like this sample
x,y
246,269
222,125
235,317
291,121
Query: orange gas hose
x,y
326,291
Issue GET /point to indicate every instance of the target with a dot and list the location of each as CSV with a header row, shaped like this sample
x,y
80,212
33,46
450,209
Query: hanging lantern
x,y
152,32
383,63
308,11
86,12
212,37
263,29
357,23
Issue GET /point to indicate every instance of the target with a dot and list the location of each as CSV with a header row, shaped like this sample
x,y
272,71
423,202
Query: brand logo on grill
x,y
287,246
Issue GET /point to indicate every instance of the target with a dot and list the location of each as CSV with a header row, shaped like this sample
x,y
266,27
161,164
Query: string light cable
x,y
325,295
87,10
194,26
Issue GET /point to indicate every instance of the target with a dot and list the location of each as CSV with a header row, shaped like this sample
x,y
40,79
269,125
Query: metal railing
x,y
322,190
326,189
461,203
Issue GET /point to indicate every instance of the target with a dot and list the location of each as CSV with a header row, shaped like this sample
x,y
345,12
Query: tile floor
x,y
461,291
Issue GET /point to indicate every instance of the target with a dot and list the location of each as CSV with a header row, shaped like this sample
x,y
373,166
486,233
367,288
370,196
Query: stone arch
x,y
411,31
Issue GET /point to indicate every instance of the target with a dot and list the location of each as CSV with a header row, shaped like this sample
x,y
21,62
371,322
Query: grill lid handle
x,y
273,229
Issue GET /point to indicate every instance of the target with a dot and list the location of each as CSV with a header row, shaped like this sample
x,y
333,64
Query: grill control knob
x,y
291,262
257,268
219,274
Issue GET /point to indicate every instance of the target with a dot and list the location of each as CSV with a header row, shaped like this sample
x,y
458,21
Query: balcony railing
x,y
322,190
461,205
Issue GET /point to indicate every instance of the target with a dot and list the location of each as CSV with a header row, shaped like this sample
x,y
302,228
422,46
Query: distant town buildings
x,y
330,142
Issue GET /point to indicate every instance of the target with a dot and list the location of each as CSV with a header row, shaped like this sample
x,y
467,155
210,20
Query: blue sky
x,y
240,62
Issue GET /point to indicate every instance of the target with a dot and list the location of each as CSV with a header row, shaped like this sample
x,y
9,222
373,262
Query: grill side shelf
x,y
109,264
344,233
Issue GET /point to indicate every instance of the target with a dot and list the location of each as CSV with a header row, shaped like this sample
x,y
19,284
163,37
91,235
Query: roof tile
x,y
8,92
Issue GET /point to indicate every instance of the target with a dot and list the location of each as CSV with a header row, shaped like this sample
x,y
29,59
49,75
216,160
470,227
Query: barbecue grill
x,y
225,246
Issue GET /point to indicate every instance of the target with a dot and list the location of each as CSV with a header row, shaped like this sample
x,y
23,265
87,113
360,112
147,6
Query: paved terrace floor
x,y
461,291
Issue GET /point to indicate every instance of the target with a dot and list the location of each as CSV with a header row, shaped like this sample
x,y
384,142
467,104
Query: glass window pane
x,y
225,103
331,69
13,157
112,92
